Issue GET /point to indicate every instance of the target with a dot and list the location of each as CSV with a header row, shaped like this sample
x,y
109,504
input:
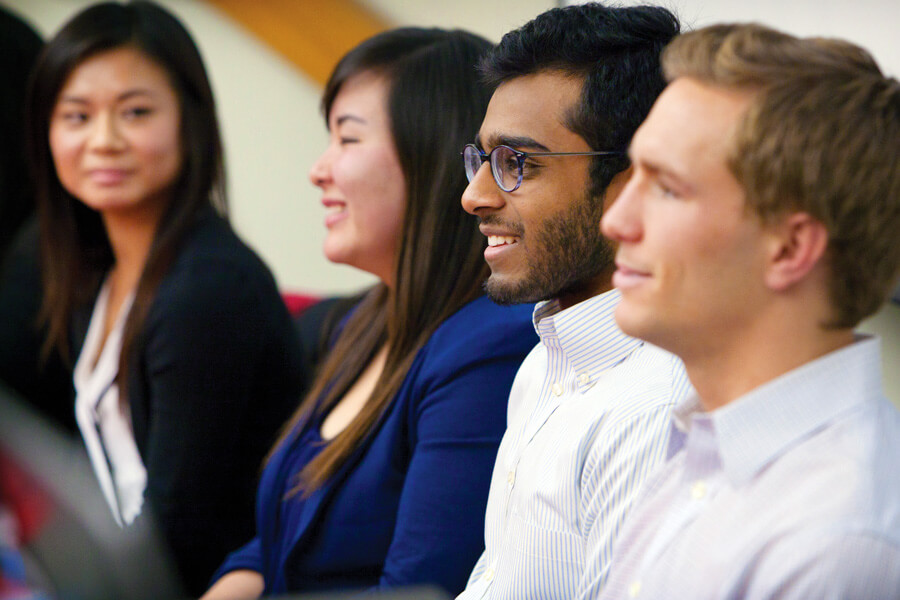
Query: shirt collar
x,y
755,429
586,333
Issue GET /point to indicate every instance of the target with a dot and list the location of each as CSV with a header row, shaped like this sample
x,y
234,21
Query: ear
x,y
799,242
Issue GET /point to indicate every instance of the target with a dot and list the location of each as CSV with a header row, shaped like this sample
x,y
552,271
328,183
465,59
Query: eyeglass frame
x,y
487,157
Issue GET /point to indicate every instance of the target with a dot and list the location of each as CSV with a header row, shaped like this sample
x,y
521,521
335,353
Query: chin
x,y
504,290
335,255
630,321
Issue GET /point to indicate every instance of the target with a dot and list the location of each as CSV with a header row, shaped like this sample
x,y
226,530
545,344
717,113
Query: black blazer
x,y
215,373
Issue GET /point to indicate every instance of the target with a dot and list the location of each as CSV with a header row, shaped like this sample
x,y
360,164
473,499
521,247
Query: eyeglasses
x,y
507,163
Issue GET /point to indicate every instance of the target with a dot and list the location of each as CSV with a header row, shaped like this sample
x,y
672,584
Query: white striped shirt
x,y
587,421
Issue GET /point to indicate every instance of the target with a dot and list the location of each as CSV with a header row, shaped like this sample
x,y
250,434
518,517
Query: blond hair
x,y
822,136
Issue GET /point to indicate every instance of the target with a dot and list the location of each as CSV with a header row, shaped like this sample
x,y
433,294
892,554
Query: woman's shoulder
x,y
212,242
482,328
486,315
217,273
213,257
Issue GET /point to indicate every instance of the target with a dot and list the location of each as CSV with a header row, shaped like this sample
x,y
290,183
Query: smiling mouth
x,y
501,240
109,176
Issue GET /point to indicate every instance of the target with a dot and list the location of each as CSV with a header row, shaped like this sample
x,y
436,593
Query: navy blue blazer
x,y
408,507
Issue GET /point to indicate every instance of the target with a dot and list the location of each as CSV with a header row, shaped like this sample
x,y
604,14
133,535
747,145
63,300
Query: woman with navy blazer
x,y
381,477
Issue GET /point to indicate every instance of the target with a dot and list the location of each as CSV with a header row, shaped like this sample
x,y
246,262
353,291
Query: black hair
x,y
435,105
614,50
19,48
75,248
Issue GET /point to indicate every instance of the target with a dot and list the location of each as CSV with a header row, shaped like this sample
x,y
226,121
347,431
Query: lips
x,y
627,277
108,176
500,246
501,240
335,211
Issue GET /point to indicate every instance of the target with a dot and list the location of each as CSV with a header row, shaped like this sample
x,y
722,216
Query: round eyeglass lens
x,y
472,161
505,167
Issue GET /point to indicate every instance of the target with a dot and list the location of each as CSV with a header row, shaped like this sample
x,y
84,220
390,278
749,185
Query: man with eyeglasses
x,y
589,409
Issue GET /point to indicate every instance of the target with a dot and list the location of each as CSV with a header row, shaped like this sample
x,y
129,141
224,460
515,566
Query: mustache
x,y
494,220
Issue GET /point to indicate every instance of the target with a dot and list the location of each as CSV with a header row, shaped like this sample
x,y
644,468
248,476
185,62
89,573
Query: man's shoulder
x,y
849,470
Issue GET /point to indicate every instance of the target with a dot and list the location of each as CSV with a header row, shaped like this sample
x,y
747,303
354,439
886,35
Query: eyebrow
x,y
344,118
516,142
123,96
659,169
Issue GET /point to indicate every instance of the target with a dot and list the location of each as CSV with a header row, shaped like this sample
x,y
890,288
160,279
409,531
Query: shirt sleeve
x,y
459,422
215,366
248,557
626,454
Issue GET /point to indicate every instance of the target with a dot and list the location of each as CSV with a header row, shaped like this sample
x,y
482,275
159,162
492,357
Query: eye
x,y
136,112
348,140
510,164
530,168
73,117
667,192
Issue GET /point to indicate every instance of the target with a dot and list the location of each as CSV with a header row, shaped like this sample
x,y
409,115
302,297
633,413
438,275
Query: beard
x,y
563,257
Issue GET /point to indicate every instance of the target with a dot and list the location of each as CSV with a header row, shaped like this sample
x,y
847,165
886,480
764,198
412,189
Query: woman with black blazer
x,y
185,361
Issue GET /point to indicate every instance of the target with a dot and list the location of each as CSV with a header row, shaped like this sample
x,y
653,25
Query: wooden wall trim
x,y
311,34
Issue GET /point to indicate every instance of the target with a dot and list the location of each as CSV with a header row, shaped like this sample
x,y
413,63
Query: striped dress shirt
x,y
790,492
587,421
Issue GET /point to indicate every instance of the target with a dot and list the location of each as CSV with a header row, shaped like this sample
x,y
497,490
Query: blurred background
x,y
268,60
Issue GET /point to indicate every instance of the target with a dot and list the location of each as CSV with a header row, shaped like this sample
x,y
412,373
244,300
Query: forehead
x,y
115,71
691,127
362,97
533,106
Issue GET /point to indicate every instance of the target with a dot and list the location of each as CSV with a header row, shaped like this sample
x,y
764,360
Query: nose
x,y
621,222
106,135
320,171
482,194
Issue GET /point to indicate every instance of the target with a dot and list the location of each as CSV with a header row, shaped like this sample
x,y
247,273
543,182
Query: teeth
x,y
334,208
499,240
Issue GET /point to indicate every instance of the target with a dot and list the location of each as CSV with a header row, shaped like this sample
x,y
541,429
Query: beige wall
x,y
871,23
273,131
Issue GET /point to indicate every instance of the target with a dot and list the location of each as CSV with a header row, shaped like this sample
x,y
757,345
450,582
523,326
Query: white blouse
x,y
105,427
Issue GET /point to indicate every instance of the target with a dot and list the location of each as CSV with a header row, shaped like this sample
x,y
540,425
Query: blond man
x,y
760,226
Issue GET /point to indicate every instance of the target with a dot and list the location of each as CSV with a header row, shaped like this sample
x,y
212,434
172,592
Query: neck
x,y
130,237
589,289
723,372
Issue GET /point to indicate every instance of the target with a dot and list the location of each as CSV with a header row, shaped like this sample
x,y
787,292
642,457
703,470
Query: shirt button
x,y
557,389
584,378
489,574
698,490
511,477
634,589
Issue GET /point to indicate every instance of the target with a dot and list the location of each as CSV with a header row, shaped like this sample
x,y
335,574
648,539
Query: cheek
x,y
63,145
65,153
369,172
161,148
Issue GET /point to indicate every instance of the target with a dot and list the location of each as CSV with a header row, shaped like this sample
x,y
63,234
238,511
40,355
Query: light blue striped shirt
x,y
587,421
790,492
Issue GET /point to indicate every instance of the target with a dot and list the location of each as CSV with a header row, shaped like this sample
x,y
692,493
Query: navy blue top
x,y
408,506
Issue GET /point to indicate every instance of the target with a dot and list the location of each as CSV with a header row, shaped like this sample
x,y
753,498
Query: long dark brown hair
x,y
75,248
436,104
